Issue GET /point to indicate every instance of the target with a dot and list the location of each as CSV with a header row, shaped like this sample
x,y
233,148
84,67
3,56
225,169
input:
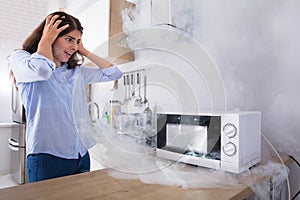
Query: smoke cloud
x,y
254,46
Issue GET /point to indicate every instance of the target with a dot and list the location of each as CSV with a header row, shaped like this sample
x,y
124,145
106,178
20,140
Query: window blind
x,y
18,18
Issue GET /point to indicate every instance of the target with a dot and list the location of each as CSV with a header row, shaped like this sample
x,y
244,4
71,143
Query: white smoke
x,y
127,158
254,45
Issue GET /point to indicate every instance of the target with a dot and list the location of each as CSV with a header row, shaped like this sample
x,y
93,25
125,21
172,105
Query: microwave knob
x,y
230,130
229,149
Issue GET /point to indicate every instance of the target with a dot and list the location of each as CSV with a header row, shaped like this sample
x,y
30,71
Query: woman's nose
x,y
74,46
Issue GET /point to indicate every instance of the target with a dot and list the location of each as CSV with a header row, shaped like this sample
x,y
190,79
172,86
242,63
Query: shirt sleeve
x,y
30,67
93,75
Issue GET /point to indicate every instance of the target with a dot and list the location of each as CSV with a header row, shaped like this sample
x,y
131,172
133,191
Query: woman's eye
x,y
69,39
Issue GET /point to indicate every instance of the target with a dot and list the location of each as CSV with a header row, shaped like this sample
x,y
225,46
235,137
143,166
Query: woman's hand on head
x,y
51,29
83,51
50,33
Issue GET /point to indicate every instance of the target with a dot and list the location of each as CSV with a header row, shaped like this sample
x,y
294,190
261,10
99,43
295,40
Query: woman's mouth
x,y
68,54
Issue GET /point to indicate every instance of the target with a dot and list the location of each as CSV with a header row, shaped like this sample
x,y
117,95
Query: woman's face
x,y
65,46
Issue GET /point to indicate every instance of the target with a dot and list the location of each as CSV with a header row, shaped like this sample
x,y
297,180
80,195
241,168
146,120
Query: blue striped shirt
x,y
57,115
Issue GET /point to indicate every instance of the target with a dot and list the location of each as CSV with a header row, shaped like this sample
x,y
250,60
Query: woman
x,y
51,80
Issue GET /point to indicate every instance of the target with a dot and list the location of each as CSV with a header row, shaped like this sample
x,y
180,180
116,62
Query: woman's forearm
x,y
45,49
100,62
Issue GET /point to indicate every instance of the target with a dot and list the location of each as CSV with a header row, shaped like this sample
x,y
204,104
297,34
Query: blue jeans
x,y
45,166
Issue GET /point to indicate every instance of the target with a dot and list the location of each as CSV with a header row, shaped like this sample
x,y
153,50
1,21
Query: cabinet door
x,y
117,45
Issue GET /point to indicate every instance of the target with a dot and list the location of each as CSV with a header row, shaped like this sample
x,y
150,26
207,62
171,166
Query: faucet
x,y
91,111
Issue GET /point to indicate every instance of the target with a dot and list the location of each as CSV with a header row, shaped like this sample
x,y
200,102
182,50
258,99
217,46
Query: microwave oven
x,y
229,141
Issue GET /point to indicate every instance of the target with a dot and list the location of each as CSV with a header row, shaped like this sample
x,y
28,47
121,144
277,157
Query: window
x,y
18,18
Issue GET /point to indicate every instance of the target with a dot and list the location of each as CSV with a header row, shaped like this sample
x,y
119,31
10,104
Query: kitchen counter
x,y
99,185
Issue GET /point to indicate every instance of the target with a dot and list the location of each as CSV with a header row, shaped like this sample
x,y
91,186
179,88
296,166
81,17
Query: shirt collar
x,y
63,67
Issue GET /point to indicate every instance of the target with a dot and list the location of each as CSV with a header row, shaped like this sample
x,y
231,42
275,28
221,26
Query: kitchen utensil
x,y
115,110
125,87
133,85
145,89
147,111
139,100
128,83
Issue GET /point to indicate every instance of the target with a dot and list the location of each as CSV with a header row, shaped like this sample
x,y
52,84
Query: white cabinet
x,y
102,23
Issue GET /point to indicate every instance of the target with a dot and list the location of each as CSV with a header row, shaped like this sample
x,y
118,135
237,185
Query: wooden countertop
x,y
100,185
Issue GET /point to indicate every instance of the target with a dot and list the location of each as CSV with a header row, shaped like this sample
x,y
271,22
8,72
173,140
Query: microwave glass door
x,y
187,137
198,136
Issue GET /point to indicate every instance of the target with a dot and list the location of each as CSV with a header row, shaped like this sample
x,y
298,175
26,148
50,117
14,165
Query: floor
x,y
6,181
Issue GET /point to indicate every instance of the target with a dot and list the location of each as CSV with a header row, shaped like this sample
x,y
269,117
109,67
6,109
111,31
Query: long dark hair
x,y
31,43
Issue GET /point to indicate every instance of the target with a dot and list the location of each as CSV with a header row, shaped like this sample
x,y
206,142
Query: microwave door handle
x,y
13,148
13,142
